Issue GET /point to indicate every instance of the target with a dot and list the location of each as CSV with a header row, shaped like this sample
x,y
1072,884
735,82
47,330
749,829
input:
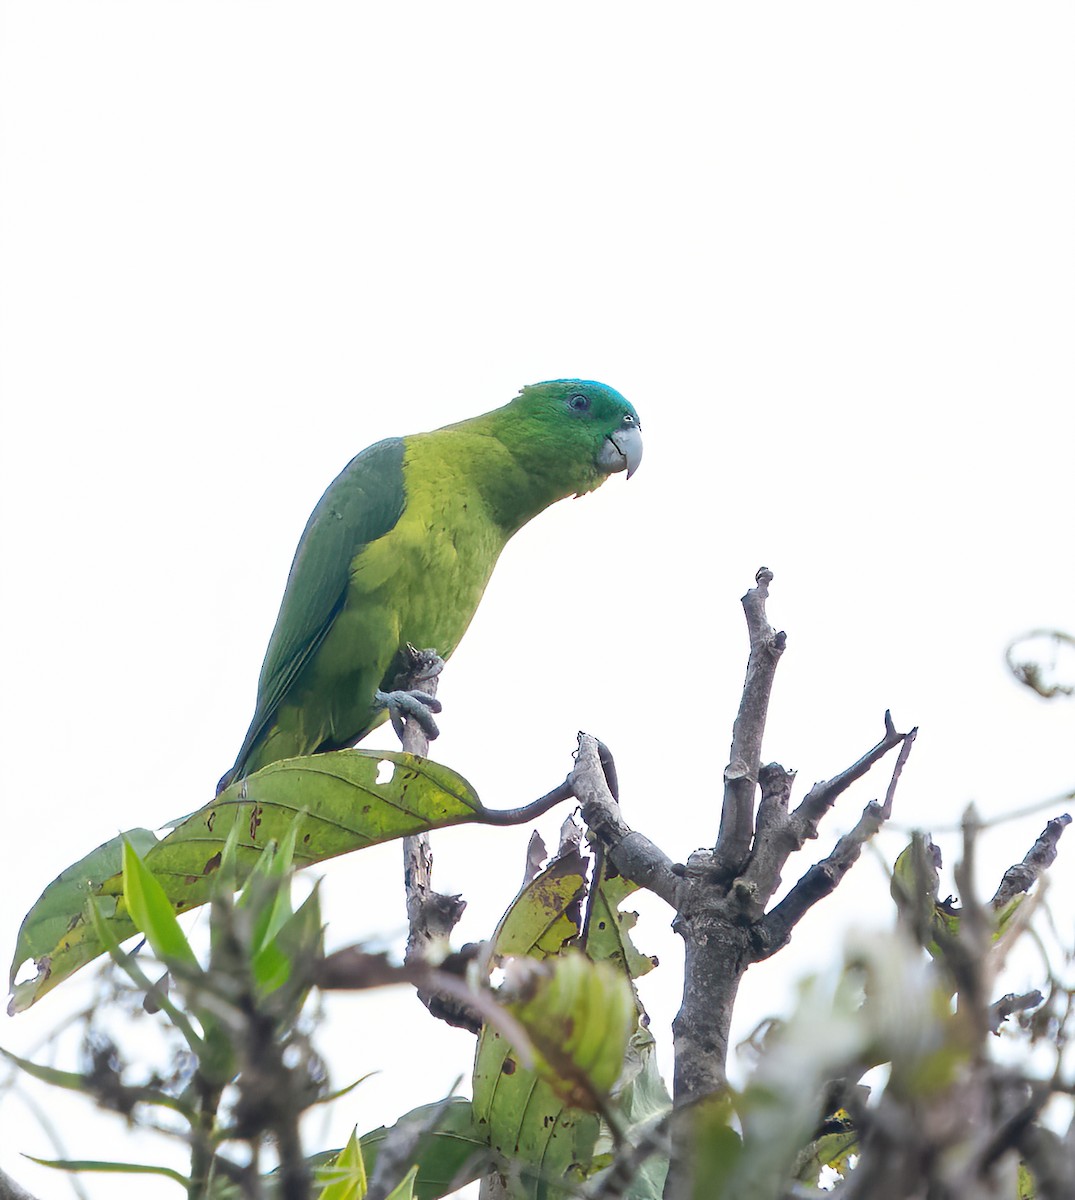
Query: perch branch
x,y
430,916
741,774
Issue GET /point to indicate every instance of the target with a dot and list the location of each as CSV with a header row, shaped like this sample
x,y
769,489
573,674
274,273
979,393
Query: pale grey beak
x,y
622,451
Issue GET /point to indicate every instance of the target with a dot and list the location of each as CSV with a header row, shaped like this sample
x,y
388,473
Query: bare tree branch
x,y
1021,876
822,796
821,879
10,1190
632,854
430,916
741,774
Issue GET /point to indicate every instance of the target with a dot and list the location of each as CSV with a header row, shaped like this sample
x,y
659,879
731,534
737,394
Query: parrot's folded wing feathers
x,y
362,504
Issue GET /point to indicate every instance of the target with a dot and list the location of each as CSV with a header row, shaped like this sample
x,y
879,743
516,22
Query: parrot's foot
x,y
410,705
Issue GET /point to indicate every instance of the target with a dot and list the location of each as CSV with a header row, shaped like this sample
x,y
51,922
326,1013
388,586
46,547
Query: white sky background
x,y
827,250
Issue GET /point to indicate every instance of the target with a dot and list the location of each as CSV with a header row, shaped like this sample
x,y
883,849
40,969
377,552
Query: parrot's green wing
x,y
361,504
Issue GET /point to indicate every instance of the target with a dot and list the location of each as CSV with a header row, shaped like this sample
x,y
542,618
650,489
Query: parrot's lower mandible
x,y
401,546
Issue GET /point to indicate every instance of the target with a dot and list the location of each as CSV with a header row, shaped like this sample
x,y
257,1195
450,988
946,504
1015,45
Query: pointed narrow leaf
x,y
404,1190
72,1080
112,1168
345,1179
152,913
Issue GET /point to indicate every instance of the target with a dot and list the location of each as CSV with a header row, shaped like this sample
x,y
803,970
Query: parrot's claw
x,y
422,665
413,705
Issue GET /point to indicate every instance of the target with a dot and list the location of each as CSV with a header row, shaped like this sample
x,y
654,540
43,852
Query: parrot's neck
x,y
511,464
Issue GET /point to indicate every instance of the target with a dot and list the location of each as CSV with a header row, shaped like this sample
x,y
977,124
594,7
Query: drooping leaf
x,y
336,802
543,1146
579,1015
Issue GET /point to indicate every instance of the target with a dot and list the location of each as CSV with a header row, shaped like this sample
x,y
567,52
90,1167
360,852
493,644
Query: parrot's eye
x,y
630,419
578,402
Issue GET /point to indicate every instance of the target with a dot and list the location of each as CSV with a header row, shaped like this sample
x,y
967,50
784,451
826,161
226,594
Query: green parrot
x,y
400,548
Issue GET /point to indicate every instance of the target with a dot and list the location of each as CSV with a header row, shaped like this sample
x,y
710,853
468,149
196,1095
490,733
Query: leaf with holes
x,y
337,802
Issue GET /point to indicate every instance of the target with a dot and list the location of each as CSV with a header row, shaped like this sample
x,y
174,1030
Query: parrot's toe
x,y
410,705
422,666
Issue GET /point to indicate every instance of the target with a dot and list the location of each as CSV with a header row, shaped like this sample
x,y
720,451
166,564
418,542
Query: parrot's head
x,y
586,429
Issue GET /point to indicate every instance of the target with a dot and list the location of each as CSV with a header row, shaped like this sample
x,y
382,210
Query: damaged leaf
x,y
334,801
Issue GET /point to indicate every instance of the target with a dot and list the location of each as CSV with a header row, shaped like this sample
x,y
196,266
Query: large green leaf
x,y
336,802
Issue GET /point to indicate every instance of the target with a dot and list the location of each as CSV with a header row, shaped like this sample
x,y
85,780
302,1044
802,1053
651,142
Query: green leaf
x,y
642,1100
833,1150
450,1153
404,1190
299,936
152,913
113,1168
547,913
608,929
717,1147
345,1179
579,1015
72,1080
333,801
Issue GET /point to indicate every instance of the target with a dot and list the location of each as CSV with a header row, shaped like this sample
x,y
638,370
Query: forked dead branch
x,y
720,895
